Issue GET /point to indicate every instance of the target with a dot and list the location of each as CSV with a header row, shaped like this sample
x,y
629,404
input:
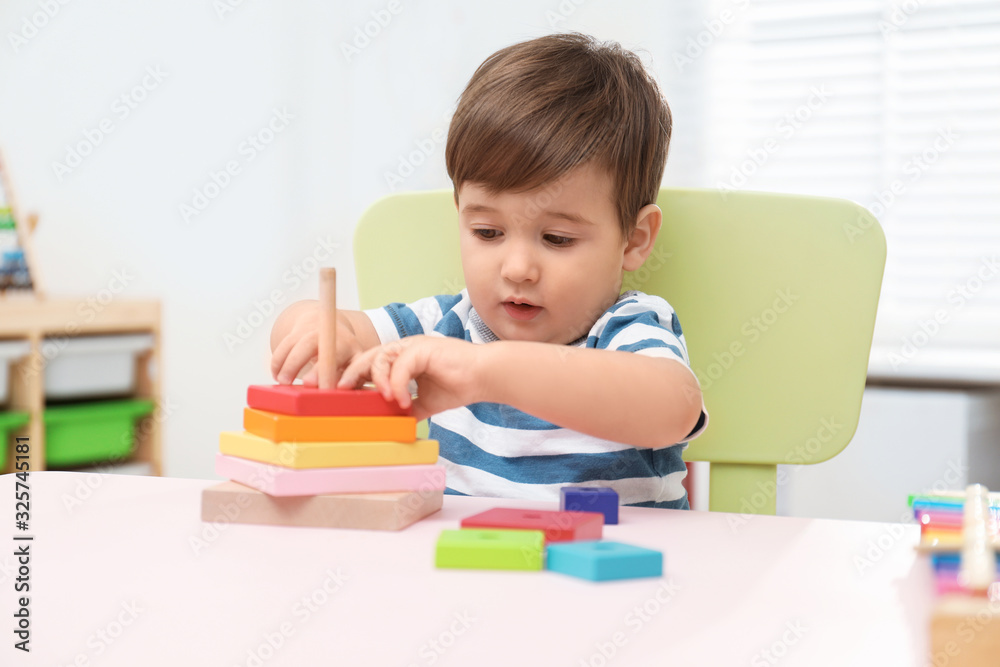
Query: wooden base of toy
x,y
235,503
965,632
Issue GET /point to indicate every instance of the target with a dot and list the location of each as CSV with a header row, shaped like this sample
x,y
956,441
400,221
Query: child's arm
x,y
620,396
295,340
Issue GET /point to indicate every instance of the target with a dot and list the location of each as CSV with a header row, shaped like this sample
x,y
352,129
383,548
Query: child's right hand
x,y
295,341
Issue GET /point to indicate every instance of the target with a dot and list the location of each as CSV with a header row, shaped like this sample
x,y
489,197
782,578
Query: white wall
x,y
354,119
909,440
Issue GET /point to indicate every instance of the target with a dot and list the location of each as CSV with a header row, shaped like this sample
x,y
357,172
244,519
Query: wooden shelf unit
x,y
35,320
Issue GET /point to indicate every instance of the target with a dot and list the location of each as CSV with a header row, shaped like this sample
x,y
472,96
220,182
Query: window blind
x,y
895,106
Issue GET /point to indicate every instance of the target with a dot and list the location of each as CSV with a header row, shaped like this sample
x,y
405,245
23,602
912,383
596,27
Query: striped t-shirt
x,y
489,449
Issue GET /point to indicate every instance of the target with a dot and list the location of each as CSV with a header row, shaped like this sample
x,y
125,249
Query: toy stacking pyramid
x,y
325,457
959,531
328,458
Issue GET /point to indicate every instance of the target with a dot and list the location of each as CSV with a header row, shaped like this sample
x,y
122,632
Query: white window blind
x,y
897,107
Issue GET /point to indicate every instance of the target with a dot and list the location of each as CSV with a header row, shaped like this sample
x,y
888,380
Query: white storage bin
x,y
91,366
10,351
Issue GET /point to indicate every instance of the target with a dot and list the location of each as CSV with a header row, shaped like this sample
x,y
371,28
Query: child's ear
x,y
640,244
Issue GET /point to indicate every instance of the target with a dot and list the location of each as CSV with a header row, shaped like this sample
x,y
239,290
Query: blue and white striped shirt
x,y
495,450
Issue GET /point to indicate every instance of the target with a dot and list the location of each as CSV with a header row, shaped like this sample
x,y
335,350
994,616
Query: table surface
x,y
124,572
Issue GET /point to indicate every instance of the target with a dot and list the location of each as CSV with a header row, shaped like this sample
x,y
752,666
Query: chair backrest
x,y
776,295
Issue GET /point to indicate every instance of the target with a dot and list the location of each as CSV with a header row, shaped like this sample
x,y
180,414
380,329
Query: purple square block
x,y
590,499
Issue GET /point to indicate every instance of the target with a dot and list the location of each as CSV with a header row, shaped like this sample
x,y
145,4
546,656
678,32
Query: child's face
x,y
542,265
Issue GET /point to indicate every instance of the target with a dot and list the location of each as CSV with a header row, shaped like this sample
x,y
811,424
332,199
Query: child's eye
x,y
486,234
558,241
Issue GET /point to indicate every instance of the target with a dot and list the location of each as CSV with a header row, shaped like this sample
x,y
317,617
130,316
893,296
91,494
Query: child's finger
x,y
280,354
300,355
357,370
381,365
408,366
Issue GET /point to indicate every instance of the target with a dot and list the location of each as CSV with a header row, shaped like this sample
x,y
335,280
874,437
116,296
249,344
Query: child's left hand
x,y
446,371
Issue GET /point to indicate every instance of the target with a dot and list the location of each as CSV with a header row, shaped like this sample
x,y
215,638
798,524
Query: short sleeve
x,y
646,325
439,315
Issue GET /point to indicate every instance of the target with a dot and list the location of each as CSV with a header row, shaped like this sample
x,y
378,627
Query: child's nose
x,y
519,265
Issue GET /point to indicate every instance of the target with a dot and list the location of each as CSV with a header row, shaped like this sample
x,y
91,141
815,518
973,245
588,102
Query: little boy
x,y
540,373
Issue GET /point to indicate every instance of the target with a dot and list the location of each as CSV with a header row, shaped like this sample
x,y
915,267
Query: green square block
x,y
490,549
81,433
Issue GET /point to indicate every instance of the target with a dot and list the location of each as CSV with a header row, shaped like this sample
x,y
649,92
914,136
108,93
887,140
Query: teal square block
x,y
604,561
490,549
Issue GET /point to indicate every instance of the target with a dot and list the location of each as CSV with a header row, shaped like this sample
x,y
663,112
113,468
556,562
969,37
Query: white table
x,y
128,559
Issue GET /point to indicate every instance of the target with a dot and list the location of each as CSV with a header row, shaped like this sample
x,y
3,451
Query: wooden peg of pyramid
x,y
324,400
327,355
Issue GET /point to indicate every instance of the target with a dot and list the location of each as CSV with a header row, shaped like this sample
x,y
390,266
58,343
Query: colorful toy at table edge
x,y
959,532
951,526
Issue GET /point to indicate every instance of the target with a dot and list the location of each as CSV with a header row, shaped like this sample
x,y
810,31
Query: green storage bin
x,y
80,433
9,422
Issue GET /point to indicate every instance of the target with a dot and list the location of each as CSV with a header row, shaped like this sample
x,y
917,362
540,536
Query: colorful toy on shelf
x,y
319,456
15,243
959,533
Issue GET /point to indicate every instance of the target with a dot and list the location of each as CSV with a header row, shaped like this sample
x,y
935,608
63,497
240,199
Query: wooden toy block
x,y
278,427
490,549
327,454
303,401
601,499
279,481
235,503
557,526
965,632
604,561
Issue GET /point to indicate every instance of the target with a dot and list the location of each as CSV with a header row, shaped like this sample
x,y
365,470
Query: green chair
x,y
776,294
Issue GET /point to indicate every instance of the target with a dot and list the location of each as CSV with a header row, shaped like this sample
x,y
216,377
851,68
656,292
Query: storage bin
x,y
10,351
81,433
9,422
92,366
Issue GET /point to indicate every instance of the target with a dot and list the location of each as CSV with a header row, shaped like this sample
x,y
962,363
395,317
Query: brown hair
x,y
535,110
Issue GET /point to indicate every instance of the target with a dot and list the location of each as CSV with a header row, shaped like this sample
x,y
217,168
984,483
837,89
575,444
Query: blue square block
x,y
590,499
604,561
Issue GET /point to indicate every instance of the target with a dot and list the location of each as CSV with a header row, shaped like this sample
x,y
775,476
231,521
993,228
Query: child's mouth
x,y
521,311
